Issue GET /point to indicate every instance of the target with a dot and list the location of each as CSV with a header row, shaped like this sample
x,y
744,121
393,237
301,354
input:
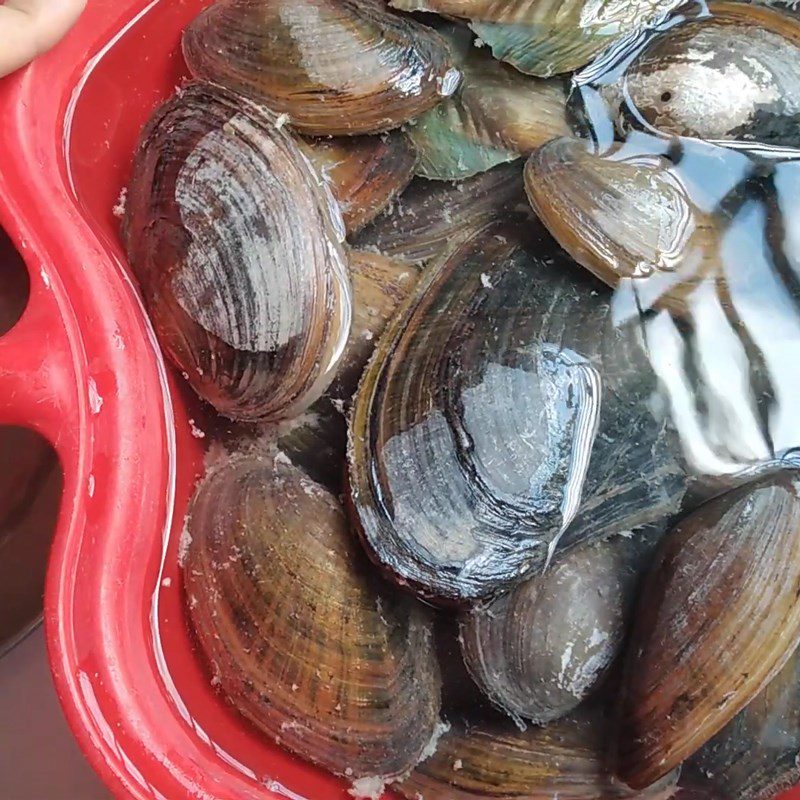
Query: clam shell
x,y
237,248
316,442
754,757
299,637
718,618
493,759
493,413
734,75
365,172
430,214
625,215
496,115
541,38
541,649
334,67
447,152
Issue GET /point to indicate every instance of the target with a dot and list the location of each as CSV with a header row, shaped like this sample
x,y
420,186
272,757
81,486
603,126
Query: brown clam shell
x,y
754,757
430,214
334,67
494,759
733,75
365,172
541,649
298,635
625,216
237,248
718,618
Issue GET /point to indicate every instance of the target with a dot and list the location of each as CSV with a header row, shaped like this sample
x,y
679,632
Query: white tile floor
x,y
39,760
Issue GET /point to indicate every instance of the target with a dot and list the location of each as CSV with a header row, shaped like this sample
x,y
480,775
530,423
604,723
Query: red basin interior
x,y
137,698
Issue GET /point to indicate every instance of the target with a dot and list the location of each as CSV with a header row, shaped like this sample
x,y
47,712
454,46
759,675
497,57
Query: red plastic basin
x,y
82,367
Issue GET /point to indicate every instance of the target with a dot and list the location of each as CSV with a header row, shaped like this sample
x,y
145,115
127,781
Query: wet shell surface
x,y
718,618
317,440
491,417
733,75
237,249
541,38
334,67
624,215
496,115
429,215
380,286
493,759
539,650
299,637
754,757
365,172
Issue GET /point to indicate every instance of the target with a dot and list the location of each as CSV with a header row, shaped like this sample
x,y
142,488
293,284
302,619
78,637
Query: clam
x,y
237,249
541,38
500,404
298,635
333,67
754,757
625,215
718,618
447,151
317,439
732,75
541,649
494,759
496,115
429,214
365,172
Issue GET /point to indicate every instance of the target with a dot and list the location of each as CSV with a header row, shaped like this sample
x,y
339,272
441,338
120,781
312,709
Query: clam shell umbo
x,y
237,248
733,75
494,759
496,115
541,38
718,618
492,414
754,757
298,636
429,215
541,649
334,67
365,173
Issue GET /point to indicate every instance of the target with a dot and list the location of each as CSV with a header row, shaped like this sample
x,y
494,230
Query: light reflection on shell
x,y
237,248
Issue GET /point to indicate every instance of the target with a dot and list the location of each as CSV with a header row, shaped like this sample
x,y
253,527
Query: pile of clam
x,y
507,297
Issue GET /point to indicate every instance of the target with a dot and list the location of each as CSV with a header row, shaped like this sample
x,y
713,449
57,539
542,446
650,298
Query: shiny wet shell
x,y
298,636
